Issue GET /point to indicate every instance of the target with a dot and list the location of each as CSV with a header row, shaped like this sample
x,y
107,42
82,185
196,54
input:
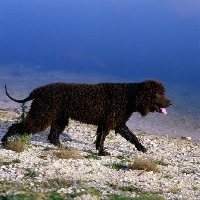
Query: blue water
x,y
106,40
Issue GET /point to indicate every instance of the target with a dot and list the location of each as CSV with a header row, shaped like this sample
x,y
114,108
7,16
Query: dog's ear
x,y
153,86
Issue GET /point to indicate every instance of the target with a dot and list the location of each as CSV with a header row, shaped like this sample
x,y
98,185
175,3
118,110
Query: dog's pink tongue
x,y
164,111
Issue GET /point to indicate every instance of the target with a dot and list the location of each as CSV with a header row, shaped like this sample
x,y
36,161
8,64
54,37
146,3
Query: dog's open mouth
x,y
160,110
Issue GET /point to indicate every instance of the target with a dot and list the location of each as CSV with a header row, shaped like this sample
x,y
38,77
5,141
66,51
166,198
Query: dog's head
x,y
154,98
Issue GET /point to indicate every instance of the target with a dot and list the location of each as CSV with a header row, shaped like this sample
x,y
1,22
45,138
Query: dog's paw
x,y
142,148
103,153
4,140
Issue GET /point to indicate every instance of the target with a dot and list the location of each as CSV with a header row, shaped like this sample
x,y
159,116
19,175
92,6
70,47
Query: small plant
x,y
25,138
116,166
48,149
195,188
16,160
90,172
16,145
93,156
110,137
7,163
55,196
174,190
130,188
22,113
188,171
30,173
42,164
144,164
59,183
93,191
114,186
161,162
168,176
123,158
64,153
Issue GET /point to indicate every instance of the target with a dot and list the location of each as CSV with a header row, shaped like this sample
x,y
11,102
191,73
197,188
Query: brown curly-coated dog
x,y
107,105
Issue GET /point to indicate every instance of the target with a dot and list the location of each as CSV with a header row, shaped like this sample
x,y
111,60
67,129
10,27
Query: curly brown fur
x,y
107,105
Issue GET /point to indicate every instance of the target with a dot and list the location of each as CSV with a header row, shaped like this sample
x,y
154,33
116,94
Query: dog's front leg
x,y
14,129
124,131
101,135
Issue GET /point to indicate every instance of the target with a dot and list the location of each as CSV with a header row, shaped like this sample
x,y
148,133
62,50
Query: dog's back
x,y
93,103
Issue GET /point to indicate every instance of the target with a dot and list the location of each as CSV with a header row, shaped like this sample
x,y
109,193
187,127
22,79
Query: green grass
x,y
56,196
116,166
130,188
7,163
123,158
195,188
169,176
188,171
2,162
48,148
30,173
48,191
142,197
161,162
16,160
93,156
20,197
93,191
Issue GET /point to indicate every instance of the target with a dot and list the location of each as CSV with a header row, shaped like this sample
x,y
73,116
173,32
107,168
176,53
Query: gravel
x,y
178,161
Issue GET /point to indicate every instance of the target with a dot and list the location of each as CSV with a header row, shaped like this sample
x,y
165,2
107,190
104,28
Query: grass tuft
x,y
146,164
123,158
64,153
17,145
93,156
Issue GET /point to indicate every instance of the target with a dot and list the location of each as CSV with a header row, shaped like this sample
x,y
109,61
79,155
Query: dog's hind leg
x,y
14,129
124,131
101,135
56,129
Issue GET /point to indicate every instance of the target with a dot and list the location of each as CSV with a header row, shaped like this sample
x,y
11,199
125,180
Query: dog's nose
x,y
170,103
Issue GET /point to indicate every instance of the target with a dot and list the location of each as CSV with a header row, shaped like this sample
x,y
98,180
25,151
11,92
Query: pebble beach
x,y
172,141
177,177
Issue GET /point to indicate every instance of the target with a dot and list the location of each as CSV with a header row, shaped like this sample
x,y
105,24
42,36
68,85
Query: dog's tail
x,y
19,101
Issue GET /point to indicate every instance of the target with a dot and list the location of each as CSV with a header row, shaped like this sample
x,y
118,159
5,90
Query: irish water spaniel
x,y
106,105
